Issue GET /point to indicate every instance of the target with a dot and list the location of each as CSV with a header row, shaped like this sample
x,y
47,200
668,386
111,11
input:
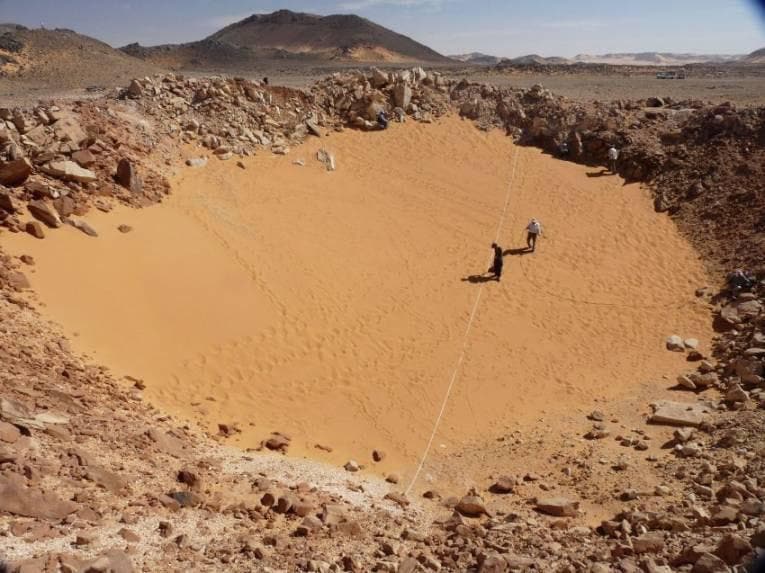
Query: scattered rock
x,y
558,506
83,226
675,343
471,505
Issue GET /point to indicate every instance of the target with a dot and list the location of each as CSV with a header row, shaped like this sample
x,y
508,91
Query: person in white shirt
x,y
613,155
534,229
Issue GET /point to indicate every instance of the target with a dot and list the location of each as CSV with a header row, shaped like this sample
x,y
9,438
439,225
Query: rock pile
x,y
57,163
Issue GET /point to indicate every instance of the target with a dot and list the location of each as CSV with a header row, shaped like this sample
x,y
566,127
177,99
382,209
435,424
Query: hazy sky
x,y
498,27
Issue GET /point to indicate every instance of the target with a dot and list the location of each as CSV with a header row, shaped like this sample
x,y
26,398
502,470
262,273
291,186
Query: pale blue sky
x,y
498,27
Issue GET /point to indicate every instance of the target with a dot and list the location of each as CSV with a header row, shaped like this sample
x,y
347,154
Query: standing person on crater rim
x,y
496,267
533,230
613,155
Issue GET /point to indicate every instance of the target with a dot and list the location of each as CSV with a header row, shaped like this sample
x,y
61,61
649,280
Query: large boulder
x,y
15,172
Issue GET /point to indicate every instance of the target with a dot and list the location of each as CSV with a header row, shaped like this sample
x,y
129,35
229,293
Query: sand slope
x,y
331,306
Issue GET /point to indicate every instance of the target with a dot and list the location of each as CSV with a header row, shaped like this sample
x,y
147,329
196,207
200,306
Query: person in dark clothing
x,y
496,267
382,119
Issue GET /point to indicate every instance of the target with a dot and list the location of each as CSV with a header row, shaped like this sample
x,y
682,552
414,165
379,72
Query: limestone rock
x,y
675,343
69,171
678,413
402,95
83,226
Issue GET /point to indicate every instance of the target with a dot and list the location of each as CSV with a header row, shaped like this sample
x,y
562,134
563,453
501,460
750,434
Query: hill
x,y
292,35
534,59
64,59
756,57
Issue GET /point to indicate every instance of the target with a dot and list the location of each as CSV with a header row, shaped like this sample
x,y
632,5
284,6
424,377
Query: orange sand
x,y
330,306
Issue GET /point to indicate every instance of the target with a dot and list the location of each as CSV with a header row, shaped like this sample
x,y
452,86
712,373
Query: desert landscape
x,y
244,328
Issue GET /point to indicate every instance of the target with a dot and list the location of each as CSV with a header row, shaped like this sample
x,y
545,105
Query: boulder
x,y
558,506
648,543
709,563
135,89
83,226
313,128
505,484
64,206
671,413
68,129
733,548
17,499
44,212
278,442
127,176
15,172
35,229
675,343
402,95
471,505
84,158
8,202
352,466
196,162
327,158
69,171
379,78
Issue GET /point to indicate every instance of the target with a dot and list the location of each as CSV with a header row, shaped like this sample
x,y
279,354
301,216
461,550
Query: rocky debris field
x,y
94,479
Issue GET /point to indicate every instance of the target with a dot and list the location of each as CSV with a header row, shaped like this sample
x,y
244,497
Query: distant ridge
x,y
64,59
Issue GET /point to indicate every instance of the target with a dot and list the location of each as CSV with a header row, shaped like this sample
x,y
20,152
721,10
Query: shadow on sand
x,y
601,173
478,279
518,251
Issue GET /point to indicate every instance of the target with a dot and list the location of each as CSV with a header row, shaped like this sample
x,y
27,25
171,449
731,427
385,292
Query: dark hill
x,y
294,36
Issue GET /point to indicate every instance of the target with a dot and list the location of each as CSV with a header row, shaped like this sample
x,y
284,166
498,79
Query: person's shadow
x,y
478,279
517,251
601,173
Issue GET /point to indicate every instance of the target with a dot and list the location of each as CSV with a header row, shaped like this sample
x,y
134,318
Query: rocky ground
x,y
94,479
